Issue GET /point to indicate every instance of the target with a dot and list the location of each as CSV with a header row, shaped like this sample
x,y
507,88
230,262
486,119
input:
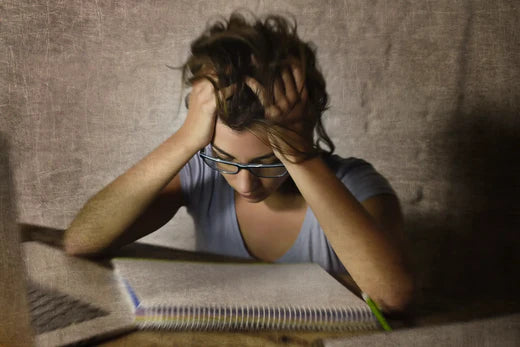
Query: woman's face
x,y
245,148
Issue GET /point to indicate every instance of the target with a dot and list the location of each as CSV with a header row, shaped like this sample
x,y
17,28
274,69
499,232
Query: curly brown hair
x,y
227,48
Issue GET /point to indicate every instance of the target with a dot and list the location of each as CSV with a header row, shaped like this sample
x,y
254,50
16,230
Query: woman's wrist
x,y
189,140
297,162
297,157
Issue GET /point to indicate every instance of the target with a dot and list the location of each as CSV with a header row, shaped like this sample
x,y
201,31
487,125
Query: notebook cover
x,y
177,284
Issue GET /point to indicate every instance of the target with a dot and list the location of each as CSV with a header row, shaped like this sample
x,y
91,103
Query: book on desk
x,y
189,295
182,295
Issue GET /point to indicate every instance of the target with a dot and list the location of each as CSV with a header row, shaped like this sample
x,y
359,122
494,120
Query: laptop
x,y
48,298
73,299
14,319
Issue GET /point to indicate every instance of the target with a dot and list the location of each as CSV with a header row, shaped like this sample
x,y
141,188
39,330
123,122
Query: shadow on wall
x,y
474,249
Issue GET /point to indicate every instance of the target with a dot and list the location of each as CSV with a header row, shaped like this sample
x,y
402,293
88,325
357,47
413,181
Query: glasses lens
x,y
269,171
226,168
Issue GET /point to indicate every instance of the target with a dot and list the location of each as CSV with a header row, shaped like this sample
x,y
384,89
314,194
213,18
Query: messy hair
x,y
227,48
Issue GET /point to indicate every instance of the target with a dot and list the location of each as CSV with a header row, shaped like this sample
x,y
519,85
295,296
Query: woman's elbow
x,y
399,297
74,244
71,244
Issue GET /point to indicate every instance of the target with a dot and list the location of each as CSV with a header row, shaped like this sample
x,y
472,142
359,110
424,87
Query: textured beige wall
x,y
428,91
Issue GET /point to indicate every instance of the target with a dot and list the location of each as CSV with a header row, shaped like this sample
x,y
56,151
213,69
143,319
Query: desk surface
x,y
431,311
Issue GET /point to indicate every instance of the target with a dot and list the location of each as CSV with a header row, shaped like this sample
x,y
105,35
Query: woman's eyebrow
x,y
269,155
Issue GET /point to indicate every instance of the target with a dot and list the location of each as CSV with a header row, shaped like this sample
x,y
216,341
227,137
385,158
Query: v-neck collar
x,y
236,229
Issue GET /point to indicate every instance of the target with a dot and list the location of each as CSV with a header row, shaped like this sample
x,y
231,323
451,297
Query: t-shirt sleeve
x,y
192,177
362,179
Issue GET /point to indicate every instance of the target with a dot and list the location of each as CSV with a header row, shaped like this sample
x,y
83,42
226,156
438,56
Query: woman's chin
x,y
252,198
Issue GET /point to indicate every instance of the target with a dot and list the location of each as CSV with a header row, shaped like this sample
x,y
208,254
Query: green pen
x,y
376,312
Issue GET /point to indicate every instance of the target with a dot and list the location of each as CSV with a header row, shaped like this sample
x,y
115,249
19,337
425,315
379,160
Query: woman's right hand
x,y
200,121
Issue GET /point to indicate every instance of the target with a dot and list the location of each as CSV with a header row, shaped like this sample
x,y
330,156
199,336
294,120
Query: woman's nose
x,y
246,182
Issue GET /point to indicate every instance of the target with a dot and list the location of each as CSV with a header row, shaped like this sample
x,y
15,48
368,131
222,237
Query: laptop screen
x,y
14,320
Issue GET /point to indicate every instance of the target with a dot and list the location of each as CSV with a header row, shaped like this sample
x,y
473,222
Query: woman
x,y
247,166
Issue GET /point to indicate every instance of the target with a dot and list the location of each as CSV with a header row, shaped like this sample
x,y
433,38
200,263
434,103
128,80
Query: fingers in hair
x,y
227,92
258,89
280,100
299,81
290,86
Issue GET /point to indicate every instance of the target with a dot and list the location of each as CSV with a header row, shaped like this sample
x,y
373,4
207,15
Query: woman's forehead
x,y
242,145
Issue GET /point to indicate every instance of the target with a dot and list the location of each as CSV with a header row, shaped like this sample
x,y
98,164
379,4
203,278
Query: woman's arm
x,y
135,204
149,194
367,239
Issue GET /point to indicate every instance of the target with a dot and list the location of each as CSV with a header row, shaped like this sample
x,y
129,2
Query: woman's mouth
x,y
251,195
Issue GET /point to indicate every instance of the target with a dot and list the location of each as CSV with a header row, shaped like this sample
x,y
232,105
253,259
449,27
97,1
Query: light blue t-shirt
x,y
210,200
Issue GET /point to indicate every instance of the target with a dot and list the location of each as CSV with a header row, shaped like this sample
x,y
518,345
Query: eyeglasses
x,y
259,170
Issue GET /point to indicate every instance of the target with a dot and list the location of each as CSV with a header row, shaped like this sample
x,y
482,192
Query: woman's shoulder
x,y
344,165
359,176
198,181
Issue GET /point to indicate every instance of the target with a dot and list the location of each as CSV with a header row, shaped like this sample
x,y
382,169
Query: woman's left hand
x,y
288,110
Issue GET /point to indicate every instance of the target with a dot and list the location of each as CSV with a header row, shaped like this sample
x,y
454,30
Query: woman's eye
x,y
216,156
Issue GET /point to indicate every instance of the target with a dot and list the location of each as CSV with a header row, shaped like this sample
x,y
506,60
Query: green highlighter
x,y
377,312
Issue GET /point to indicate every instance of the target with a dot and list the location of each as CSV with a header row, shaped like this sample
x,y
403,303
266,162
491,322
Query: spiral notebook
x,y
178,295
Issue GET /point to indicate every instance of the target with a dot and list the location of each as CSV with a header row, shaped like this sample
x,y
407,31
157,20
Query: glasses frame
x,y
239,167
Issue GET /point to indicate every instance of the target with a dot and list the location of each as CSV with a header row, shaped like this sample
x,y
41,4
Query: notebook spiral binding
x,y
254,318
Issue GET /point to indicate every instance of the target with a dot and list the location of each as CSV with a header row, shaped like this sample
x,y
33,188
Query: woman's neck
x,y
285,199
